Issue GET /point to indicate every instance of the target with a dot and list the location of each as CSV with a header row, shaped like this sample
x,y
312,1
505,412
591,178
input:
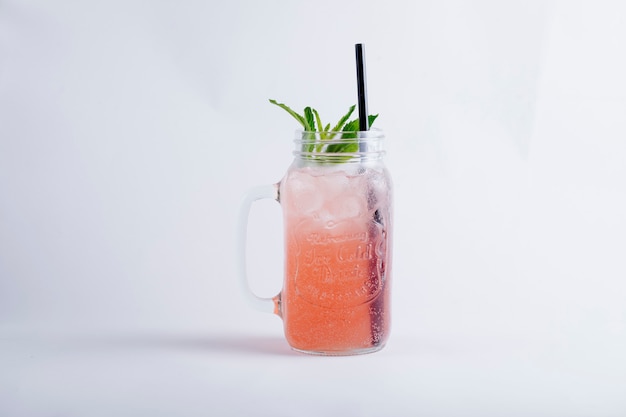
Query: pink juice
x,y
336,294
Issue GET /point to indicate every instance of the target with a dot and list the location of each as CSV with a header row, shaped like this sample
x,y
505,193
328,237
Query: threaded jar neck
x,y
339,147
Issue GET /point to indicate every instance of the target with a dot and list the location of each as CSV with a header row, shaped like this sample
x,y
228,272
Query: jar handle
x,y
268,305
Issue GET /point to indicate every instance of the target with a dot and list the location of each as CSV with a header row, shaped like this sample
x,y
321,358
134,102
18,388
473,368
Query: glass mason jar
x,y
336,199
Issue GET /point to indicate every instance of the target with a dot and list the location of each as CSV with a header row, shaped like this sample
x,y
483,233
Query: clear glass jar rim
x,y
334,147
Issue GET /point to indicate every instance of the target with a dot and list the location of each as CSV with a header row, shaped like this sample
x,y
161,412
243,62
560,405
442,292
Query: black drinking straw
x,y
377,307
361,88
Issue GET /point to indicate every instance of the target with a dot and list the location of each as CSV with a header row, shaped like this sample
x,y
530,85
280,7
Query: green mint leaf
x,y
339,126
320,127
348,147
318,120
295,115
327,127
309,119
351,126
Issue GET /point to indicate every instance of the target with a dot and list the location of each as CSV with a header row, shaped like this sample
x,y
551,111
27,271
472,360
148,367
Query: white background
x,y
129,131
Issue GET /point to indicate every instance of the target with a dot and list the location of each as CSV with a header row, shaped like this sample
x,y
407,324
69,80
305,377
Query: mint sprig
x,y
312,122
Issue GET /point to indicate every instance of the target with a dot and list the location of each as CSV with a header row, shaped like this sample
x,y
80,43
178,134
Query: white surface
x,y
129,131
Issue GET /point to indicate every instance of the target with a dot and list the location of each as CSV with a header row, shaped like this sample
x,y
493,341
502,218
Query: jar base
x,y
351,352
